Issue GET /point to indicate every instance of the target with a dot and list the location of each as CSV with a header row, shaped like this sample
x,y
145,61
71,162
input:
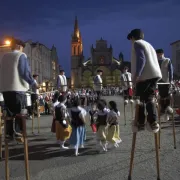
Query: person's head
x,y
62,98
55,96
160,53
104,101
35,76
76,102
113,106
17,44
99,72
62,72
94,107
101,105
125,69
135,34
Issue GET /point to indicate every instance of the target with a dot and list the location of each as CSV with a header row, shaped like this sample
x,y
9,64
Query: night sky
x,y
51,22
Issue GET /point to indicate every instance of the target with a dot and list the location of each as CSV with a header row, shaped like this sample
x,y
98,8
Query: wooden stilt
x,y
33,122
125,114
157,155
174,131
6,148
132,110
38,116
26,158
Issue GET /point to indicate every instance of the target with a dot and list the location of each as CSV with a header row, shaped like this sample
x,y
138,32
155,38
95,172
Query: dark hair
x,y
101,105
99,70
104,101
61,71
15,42
159,51
55,96
125,67
137,34
76,102
62,98
35,75
113,106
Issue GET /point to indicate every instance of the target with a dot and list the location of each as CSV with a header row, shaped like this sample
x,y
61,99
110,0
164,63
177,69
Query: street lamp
x,y
7,42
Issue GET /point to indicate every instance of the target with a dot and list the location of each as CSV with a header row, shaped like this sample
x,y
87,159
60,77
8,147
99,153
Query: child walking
x,y
92,112
101,123
55,102
63,128
78,115
113,125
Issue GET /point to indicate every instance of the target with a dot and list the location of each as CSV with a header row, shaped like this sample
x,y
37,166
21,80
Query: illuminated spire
x,y
76,25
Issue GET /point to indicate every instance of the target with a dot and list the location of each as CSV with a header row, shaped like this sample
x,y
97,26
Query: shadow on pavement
x,y
42,152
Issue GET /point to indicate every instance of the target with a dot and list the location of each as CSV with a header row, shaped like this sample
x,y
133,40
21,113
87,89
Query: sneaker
x,y
131,101
64,147
125,102
169,110
155,127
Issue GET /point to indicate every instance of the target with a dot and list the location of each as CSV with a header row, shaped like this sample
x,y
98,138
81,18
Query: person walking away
x,y
113,135
146,73
15,78
63,128
101,124
92,112
78,120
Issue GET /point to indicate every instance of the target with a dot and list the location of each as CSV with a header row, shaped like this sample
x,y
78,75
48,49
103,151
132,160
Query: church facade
x,y
83,70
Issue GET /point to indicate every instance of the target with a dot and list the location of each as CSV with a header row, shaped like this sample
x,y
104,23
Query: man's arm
x,y
170,69
24,70
140,59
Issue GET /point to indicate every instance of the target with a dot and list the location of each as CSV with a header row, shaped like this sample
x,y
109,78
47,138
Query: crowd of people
x,y
150,70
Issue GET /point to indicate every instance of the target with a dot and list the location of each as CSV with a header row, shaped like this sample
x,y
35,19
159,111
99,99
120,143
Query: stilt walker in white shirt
x,y
98,84
62,82
127,85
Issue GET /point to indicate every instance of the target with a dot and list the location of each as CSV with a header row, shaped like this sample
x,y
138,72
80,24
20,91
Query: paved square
x,y
48,162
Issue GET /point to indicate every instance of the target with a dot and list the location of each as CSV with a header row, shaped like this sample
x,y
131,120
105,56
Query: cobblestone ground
x,y
48,162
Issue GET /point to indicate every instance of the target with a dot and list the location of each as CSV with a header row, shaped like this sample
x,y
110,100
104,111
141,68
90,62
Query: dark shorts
x,y
14,102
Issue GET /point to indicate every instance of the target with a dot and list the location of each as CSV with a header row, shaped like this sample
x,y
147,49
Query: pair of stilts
x,y
23,139
36,110
156,138
132,110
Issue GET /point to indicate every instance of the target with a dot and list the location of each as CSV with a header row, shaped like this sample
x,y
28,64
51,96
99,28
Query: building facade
x,y
44,62
175,47
83,70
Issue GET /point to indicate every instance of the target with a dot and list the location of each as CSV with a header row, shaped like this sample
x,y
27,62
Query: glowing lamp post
x,y
7,43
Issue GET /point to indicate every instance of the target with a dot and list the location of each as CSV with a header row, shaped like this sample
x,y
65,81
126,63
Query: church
x,y
83,70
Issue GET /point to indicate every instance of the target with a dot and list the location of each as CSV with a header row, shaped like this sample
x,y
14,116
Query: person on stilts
x,y
164,89
146,73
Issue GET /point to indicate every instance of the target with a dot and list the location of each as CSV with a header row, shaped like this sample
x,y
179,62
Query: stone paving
x,y
48,162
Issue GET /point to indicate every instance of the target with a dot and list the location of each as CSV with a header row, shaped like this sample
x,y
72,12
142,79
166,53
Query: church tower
x,y
76,56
